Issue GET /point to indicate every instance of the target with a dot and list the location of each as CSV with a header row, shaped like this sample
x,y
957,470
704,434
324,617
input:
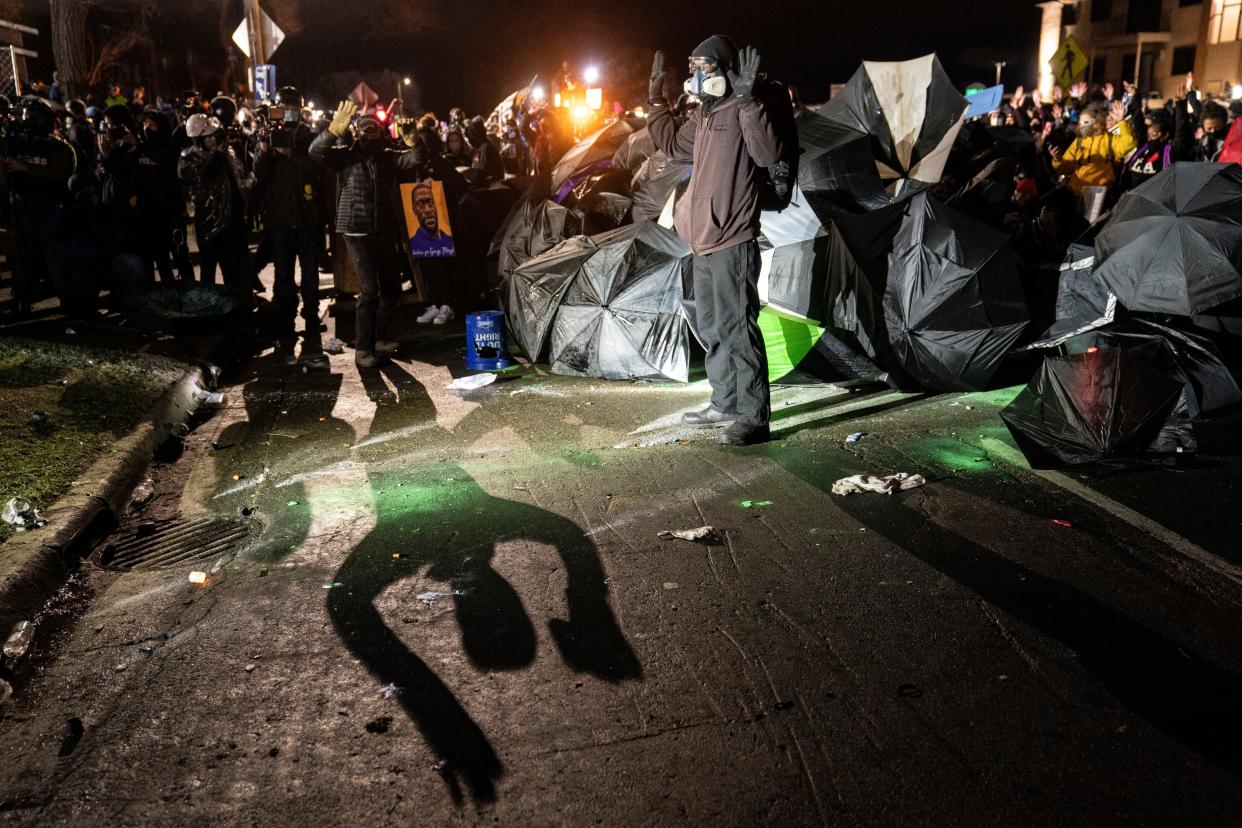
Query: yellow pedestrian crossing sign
x,y
1069,64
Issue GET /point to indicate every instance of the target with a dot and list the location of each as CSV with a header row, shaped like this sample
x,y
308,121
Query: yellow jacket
x,y
1090,161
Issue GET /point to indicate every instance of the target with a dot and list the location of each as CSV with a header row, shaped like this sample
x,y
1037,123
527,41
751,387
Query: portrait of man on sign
x,y
427,220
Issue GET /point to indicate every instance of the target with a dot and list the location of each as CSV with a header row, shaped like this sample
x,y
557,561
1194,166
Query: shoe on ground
x,y
366,359
707,418
745,434
386,347
428,316
445,315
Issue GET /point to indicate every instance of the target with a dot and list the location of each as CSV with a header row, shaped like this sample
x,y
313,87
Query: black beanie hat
x,y
718,48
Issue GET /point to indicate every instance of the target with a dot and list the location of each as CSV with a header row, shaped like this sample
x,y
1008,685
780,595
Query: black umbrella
x,y
1209,384
537,225
837,171
794,256
621,315
1174,244
1115,402
912,112
654,183
592,154
953,304
536,288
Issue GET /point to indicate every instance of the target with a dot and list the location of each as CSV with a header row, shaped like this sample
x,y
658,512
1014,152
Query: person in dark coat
x,y
291,184
1152,155
730,139
161,204
368,169
486,156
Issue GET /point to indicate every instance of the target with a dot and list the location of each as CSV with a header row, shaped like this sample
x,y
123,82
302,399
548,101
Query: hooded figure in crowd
x,y
730,139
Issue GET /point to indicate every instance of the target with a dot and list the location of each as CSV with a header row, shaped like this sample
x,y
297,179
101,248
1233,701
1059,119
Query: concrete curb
x,y
34,565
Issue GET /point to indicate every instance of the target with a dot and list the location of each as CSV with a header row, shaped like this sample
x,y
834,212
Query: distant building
x,y
1152,43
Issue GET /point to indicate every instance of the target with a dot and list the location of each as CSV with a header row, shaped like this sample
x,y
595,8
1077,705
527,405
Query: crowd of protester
x,y
1074,154
102,198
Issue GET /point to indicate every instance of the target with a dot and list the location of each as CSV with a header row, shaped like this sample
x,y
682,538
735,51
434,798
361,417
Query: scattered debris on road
x,y
702,533
198,577
472,382
855,437
859,483
389,691
334,346
756,504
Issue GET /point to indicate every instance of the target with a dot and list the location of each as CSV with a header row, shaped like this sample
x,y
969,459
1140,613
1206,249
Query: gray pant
x,y
726,310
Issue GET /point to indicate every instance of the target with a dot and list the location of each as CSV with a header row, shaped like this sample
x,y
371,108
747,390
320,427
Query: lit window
x,y
1223,24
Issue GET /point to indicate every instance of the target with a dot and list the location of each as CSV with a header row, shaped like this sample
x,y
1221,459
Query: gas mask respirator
x,y
700,84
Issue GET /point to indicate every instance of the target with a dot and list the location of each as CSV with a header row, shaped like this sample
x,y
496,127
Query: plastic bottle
x,y
18,643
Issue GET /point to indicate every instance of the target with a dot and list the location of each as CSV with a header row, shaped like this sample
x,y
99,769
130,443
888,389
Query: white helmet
x,y
200,124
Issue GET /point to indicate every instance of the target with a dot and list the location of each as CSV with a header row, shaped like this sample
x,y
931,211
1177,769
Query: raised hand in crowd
x,y
1116,113
1109,91
344,116
1078,91
1019,97
1037,100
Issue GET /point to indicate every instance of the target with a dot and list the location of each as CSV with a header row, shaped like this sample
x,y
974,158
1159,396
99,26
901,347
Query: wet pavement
x,y
455,608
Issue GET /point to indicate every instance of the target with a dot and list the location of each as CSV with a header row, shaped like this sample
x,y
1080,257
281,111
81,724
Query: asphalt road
x,y
456,609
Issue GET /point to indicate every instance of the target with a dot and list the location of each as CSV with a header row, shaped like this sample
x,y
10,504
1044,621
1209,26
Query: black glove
x,y
655,92
743,80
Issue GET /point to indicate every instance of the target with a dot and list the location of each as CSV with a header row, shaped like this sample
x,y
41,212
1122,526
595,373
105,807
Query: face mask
x,y
700,84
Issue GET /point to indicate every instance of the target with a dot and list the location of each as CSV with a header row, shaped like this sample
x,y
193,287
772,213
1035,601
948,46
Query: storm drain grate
x,y
170,544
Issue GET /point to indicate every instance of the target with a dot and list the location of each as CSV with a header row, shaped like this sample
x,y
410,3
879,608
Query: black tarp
x,y
1119,404
1173,244
954,304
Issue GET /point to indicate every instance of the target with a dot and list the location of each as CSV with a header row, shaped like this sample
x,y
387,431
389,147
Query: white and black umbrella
x,y
912,112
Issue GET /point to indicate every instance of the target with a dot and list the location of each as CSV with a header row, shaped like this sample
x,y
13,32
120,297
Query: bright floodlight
x,y
1237,91
407,81
591,75
537,93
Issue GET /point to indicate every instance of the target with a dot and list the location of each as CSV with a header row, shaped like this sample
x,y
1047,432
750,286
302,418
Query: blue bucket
x,y
486,347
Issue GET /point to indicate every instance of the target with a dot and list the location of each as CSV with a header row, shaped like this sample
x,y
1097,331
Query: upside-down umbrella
x,y
621,316
1174,244
912,112
953,304
1115,402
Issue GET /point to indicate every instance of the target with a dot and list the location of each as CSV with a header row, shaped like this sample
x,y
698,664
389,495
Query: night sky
x,y
474,52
